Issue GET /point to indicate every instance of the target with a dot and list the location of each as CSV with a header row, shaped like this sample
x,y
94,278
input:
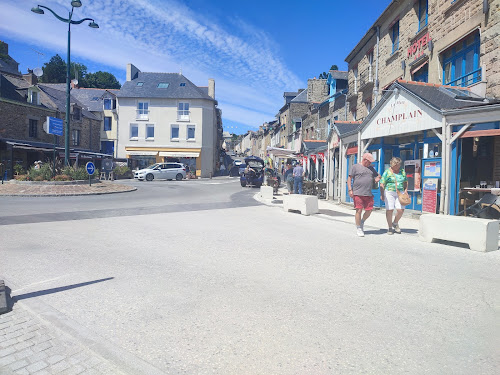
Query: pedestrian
x,y
288,177
298,176
359,183
393,179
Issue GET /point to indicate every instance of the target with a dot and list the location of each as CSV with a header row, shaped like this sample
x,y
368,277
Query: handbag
x,y
404,198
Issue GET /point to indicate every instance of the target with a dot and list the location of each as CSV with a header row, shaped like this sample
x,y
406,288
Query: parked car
x,y
256,176
237,162
167,171
241,168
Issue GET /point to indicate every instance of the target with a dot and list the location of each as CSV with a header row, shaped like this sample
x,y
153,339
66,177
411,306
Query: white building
x,y
165,117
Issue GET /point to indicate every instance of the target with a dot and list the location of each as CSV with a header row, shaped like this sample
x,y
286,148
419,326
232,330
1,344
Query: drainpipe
x,y
375,91
444,157
339,178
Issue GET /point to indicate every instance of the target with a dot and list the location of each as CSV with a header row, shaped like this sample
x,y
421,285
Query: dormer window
x,y
77,113
162,85
140,84
182,84
33,96
109,103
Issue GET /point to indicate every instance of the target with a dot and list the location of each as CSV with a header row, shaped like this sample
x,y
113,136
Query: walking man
x,y
298,175
359,183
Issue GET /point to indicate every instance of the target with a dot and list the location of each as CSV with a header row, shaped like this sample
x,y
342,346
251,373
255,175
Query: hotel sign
x,y
417,48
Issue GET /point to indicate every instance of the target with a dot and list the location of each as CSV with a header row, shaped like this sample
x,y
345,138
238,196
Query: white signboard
x,y
401,114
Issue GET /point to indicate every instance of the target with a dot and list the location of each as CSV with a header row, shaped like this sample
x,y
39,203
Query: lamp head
x,y
76,3
37,10
93,25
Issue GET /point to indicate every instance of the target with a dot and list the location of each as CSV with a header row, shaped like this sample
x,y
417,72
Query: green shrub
x,y
62,177
121,170
18,168
21,177
44,173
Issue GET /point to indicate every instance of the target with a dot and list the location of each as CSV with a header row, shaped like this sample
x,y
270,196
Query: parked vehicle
x,y
237,162
167,171
255,176
241,168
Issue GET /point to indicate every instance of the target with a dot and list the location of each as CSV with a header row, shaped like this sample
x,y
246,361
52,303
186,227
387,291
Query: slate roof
x,y
10,67
337,74
149,88
345,127
313,145
13,87
55,98
301,98
87,97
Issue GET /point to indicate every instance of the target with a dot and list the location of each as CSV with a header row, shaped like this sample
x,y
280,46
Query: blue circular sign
x,y
90,168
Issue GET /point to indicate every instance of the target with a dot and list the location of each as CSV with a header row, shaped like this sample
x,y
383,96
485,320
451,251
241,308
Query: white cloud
x,y
162,37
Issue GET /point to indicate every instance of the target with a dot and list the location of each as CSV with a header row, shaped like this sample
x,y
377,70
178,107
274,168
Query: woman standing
x,y
393,180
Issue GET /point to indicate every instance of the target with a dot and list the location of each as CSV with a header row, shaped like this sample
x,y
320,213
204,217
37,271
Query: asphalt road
x,y
241,288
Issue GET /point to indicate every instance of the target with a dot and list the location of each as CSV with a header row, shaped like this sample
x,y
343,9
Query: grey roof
x,y
9,66
301,98
337,74
92,98
346,127
54,97
13,87
174,90
313,145
443,97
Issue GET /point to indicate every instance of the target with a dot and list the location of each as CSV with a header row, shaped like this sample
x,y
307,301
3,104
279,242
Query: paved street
x,y
197,277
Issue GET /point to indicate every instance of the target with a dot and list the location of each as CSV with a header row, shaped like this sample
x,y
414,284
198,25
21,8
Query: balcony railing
x,y
182,115
142,114
467,79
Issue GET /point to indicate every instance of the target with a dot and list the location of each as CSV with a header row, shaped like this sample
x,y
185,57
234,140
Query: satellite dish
x,y
38,72
74,81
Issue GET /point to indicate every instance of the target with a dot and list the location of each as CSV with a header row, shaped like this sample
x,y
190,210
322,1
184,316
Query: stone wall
x,y
317,90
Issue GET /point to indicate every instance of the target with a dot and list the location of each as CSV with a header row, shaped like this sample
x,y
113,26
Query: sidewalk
x,y
11,188
331,210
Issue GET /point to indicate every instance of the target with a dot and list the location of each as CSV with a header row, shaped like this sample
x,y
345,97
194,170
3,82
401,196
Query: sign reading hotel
x,y
401,114
417,48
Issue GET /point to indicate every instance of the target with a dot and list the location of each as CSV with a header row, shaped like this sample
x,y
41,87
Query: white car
x,y
166,171
237,162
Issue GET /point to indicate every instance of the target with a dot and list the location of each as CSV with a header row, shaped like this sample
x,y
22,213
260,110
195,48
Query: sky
x,y
255,50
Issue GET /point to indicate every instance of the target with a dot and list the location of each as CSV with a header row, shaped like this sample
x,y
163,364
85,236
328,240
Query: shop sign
x,y
321,156
417,48
413,174
313,157
399,117
429,198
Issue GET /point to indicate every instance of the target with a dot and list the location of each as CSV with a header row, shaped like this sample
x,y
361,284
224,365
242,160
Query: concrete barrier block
x,y
479,234
266,192
306,204
3,298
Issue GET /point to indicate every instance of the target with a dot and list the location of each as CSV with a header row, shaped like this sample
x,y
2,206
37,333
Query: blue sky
x,y
255,50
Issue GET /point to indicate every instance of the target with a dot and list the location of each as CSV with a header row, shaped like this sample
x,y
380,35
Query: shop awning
x,y
142,153
480,133
174,154
283,152
27,146
352,150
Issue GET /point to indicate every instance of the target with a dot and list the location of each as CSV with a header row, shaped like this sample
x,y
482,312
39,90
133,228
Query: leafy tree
x,y
101,80
334,67
54,71
81,70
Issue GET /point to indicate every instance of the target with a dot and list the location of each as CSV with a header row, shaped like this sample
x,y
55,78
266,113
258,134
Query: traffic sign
x,y
54,126
90,168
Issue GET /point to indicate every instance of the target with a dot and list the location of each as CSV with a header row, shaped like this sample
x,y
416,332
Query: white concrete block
x,y
306,204
479,234
266,192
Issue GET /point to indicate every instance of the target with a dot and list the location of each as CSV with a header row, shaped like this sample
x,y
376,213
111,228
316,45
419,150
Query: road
x,y
195,277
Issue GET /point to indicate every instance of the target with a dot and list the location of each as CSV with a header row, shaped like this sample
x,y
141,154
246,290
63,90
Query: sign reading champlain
x,y
401,114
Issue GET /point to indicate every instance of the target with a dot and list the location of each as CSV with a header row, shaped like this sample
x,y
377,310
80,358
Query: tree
x,y
101,80
54,71
334,67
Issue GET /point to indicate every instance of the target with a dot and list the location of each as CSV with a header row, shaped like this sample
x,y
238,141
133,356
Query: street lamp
x,y
69,21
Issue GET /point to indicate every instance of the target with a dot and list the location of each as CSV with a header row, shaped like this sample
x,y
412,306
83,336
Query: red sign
x,y
429,195
313,157
417,48
304,160
321,156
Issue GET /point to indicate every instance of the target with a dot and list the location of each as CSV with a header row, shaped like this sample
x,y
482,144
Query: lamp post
x,y
69,21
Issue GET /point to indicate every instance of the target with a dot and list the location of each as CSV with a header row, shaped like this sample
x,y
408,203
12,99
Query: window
x,y
183,112
33,128
96,99
142,110
140,84
354,113
368,104
162,85
355,72
191,132
461,62
423,7
108,147
182,84
174,132
34,97
107,123
395,36
108,103
77,113
134,131
75,137
150,131
369,56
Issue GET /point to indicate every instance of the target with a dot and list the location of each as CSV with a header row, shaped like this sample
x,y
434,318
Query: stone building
x,y
436,41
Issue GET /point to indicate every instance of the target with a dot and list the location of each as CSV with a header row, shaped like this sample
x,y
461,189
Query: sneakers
x,y
360,232
396,228
390,231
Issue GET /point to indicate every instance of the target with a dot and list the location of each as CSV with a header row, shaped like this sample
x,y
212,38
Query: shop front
x,y
141,157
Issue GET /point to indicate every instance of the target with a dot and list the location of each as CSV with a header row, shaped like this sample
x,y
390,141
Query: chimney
x,y
132,72
211,88
4,48
30,78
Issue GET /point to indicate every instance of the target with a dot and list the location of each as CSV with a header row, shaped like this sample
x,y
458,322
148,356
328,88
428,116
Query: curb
x,y
68,195
3,298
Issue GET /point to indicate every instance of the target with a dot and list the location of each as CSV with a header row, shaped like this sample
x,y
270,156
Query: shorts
x,y
365,202
392,201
